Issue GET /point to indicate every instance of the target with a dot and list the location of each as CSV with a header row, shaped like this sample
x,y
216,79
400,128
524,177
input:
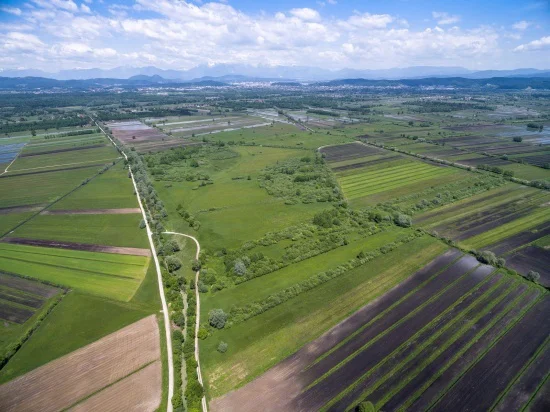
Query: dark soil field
x,y
517,241
473,304
78,246
527,383
348,151
20,298
494,374
531,258
13,313
363,164
382,345
434,380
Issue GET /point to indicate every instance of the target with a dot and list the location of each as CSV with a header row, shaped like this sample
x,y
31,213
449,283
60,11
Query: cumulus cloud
x,y
181,34
444,18
521,25
306,14
11,10
540,44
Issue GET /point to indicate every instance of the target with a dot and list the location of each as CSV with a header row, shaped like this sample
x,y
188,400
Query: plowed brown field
x,y
70,379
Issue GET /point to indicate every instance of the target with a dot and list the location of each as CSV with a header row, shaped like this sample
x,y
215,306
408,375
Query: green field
x,y
108,230
111,190
103,274
64,159
31,189
234,211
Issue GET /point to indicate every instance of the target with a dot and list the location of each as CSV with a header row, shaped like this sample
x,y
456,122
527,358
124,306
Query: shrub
x,y
488,258
533,276
222,347
239,268
142,224
217,318
365,406
196,265
173,263
203,333
403,220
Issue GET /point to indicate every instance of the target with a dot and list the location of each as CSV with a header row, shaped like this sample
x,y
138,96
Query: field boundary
x,y
159,277
198,315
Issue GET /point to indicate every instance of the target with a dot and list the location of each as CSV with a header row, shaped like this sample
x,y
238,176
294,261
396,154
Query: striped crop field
x,y
103,274
373,181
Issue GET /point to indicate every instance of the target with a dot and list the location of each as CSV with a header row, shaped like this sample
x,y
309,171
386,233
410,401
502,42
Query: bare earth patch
x,y
141,391
78,246
121,211
66,381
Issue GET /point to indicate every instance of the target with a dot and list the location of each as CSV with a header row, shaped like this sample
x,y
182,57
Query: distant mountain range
x,y
241,72
35,83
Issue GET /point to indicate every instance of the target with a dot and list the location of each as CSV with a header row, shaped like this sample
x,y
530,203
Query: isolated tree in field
x,y
173,263
222,347
217,318
142,224
533,276
239,267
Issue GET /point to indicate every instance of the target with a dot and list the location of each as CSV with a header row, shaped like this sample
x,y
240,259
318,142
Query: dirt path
x,y
197,274
160,282
121,211
14,159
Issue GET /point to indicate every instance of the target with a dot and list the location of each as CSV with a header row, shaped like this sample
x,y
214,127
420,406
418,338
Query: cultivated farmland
x,y
70,380
381,353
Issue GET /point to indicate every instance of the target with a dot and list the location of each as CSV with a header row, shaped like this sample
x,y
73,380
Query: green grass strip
x,y
406,177
384,173
392,185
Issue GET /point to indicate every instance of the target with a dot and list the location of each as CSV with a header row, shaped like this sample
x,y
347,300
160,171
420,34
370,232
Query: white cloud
x,y
369,21
69,5
444,18
306,14
521,25
11,10
540,44
181,34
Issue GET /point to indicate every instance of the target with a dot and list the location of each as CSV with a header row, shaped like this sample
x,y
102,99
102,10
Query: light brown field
x,y
141,391
70,379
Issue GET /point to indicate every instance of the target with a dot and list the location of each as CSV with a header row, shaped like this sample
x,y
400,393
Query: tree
x,y
217,318
403,220
239,267
533,276
222,347
488,258
173,263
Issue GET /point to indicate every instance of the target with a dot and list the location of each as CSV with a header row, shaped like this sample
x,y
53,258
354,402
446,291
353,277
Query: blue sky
x,y
485,34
